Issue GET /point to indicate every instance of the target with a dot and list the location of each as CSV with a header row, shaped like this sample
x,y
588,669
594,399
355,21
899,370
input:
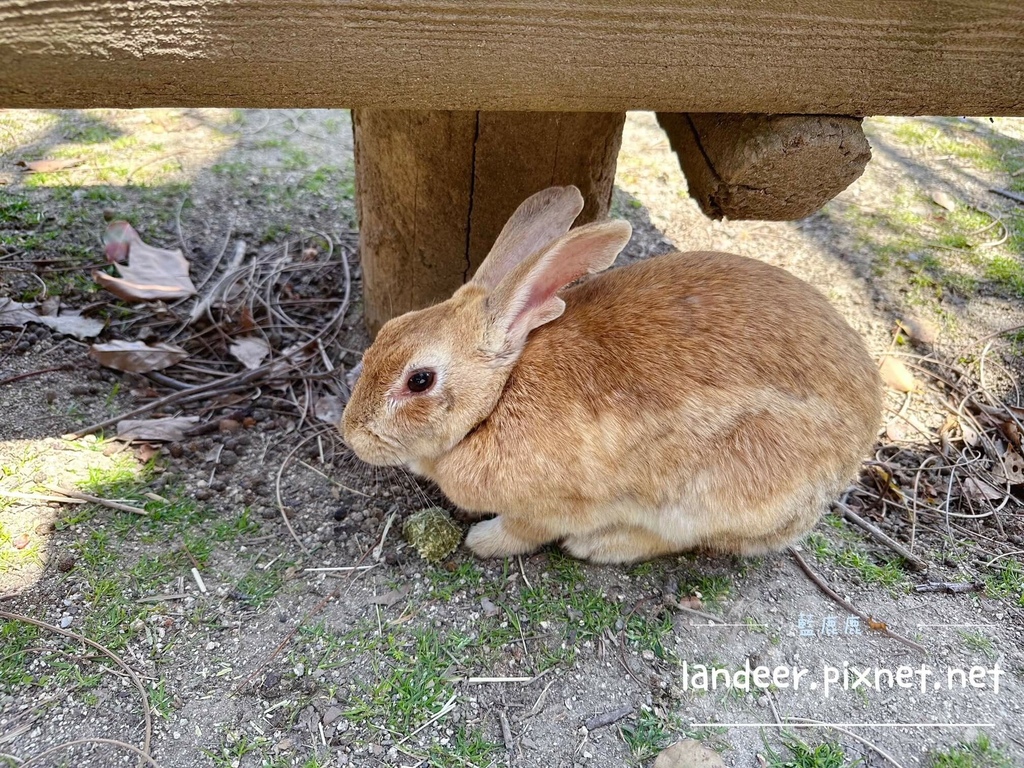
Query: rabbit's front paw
x,y
492,538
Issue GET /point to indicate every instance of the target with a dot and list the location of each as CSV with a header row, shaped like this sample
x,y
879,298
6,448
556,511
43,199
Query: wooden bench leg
x,y
434,189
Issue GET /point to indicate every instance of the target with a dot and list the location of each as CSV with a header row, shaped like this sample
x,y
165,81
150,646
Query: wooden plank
x,y
858,57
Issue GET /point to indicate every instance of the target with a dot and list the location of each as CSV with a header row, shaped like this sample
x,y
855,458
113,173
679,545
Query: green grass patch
x,y
647,735
802,755
871,570
1007,582
980,753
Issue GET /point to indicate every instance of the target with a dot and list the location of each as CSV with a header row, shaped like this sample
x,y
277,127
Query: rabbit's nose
x,y
353,376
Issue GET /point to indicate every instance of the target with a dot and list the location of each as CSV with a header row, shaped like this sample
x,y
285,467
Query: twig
x,y
40,497
950,587
872,623
148,732
1009,195
30,374
143,756
609,718
97,500
242,377
379,549
506,732
913,560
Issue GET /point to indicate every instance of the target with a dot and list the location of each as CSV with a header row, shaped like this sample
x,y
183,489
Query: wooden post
x,y
776,167
435,188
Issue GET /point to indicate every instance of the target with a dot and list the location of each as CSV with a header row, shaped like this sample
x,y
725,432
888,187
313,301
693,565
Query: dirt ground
x,y
218,639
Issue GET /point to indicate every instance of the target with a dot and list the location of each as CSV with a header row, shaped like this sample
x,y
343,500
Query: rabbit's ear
x,y
527,297
540,220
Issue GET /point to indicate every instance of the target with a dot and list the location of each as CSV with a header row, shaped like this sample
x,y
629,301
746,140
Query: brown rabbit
x,y
690,400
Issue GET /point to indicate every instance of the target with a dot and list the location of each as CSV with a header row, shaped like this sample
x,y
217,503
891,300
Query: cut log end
x,y
770,167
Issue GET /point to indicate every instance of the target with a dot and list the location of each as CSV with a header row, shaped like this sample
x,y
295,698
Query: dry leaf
x,y
146,452
13,313
388,598
944,199
250,351
971,436
151,273
328,408
1013,467
136,356
979,489
169,430
50,306
47,166
896,375
919,329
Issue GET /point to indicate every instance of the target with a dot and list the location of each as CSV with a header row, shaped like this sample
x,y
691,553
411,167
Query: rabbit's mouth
x,y
372,448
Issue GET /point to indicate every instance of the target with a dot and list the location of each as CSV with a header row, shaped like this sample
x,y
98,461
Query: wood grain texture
x,y
768,167
414,171
435,188
519,153
856,57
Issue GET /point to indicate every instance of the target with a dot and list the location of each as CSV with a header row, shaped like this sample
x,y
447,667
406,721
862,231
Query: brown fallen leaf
x,y
919,329
250,351
136,356
944,200
14,313
167,430
979,490
151,273
896,375
328,409
388,598
47,166
1013,467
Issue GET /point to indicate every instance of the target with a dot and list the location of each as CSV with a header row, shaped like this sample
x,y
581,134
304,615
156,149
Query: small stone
x,y
65,622
689,754
332,714
65,563
228,458
490,609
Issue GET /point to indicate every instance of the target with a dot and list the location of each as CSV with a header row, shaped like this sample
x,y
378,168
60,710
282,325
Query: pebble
x,y
65,622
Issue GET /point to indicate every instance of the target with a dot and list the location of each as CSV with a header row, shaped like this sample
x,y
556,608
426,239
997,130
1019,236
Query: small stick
x,y
831,593
97,500
30,374
609,718
1009,195
379,549
498,679
197,577
913,560
506,732
333,568
40,497
950,587
143,756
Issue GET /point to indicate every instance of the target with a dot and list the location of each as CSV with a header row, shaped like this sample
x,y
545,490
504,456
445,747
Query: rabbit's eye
x,y
420,381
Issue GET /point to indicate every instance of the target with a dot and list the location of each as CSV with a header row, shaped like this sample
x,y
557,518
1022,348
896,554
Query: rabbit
x,y
692,400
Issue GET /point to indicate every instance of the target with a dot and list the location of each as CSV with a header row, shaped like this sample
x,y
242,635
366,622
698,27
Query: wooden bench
x,y
461,109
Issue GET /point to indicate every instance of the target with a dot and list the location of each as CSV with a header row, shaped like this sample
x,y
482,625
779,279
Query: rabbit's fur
x,y
690,400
